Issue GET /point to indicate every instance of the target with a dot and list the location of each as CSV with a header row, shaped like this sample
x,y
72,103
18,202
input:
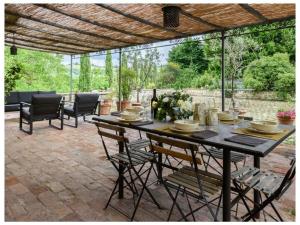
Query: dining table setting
x,y
226,130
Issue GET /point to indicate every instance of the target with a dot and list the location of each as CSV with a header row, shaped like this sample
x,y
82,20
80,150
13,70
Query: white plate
x,y
277,131
135,120
183,131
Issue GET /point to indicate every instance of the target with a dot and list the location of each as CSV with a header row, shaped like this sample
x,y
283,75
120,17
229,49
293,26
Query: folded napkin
x,y
245,140
115,113
204,134
141,123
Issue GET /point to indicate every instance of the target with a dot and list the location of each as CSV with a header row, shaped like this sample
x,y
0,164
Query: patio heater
x,y
13,48
171,16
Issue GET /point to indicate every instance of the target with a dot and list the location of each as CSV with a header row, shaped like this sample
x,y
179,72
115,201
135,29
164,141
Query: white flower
x,y
166,99
185,105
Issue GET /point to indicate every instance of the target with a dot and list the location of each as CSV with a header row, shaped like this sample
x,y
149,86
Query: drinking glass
x,y
145,103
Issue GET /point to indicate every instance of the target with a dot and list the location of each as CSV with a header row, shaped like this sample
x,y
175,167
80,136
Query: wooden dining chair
x,y
271,186
191,180
132,162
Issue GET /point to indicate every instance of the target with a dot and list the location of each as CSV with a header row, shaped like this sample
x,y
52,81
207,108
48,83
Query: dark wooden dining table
x,y
224,131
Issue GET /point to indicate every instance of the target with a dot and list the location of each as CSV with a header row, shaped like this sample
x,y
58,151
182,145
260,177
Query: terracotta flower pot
x,y
124,104
285,121
107,101
105,109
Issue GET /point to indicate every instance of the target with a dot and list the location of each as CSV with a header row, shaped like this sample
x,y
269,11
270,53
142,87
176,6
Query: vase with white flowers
x,y
174,106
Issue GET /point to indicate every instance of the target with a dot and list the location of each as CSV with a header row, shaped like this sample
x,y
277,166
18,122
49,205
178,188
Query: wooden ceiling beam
x,y
83,43
38,48
49,7
140,19
48,39
35,49
200,20
40,43
67,28
254,12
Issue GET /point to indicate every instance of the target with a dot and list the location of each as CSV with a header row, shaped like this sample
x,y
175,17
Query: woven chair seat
x,y
264,181
186,177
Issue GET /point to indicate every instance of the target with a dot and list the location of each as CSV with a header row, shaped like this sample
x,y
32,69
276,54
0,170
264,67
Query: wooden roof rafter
x,y
37,49
47,6
67,28
41,43
140,20
83,43
254,12
200,20
49,39
41,46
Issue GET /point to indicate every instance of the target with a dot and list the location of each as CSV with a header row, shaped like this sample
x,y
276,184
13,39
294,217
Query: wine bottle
x,y
153,104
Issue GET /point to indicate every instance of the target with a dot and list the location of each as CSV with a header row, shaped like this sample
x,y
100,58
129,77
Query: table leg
x,y
121,171
226,184
256,193
159,166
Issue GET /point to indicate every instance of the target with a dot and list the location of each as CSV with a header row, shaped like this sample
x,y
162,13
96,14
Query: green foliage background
x,y
262,61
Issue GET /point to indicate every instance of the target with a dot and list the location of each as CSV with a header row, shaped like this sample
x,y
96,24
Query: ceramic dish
x,y
184,131
129,115
267,126
186,124
277,131
129,120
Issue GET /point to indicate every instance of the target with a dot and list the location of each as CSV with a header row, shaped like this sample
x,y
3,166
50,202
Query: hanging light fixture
x,y
171,16
13,48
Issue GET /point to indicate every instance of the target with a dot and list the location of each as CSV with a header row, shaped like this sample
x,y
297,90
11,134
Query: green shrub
x,y
267,74
127,80
206,80
285,86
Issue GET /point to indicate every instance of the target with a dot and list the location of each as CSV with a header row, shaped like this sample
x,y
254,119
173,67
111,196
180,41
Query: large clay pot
x,y
107,101
124,104
285,121
104,109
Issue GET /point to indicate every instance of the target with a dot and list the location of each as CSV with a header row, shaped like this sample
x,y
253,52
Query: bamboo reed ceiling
x,y
82,28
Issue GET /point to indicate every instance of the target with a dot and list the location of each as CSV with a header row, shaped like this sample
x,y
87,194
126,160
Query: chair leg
x,y
171,210
112,193
49,122
76,121
62,123
20,122
30,130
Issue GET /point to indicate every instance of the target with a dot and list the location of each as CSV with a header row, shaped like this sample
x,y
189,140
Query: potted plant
x,y
128,76
106,104
286,117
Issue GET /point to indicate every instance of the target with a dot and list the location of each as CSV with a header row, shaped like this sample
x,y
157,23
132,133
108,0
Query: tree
x,y
145,67
109,68
13,72
271,73
189,54
85,73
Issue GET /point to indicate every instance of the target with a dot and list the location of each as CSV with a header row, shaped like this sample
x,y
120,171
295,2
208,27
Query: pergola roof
x,y
82,28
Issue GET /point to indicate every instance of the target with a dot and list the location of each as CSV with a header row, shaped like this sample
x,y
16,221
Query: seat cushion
x,y
26,96
13,107
12,98
46,105
68,110
46,92
86,103
26,112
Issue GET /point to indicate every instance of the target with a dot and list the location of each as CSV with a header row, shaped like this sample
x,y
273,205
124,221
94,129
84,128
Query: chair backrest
x,y
187,151
45,104
112,132
86,103
288,179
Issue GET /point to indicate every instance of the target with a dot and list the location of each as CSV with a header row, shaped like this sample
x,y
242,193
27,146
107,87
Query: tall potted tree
x,y
127,80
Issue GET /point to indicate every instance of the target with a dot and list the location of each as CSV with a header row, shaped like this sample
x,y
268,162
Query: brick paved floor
x,y
57,175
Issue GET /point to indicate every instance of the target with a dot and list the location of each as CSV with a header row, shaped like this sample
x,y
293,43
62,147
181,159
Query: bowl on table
x,y
186,124
129,115
134,109
266,126
226,116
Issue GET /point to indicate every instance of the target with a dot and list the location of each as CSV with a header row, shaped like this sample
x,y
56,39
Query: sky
x,y
99,60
